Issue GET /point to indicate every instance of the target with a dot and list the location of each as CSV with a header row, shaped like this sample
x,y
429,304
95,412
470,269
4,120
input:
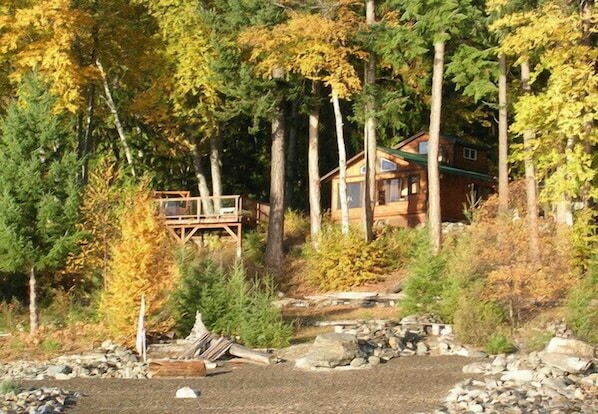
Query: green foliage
x,y
8,386
344,261
582,306
229,303
39,197
477,320
499,343
12,315
254,246
537,339
50,345
425,284
401,245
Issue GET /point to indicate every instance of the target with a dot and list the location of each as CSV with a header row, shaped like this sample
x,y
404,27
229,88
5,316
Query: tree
x,y
438,20
370,145
561,111
142,264
38,188
274,251
316,47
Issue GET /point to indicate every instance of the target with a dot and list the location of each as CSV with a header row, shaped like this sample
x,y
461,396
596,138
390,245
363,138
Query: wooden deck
x,y
188,218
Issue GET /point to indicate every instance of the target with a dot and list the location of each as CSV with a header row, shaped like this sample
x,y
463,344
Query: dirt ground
x,y
403,385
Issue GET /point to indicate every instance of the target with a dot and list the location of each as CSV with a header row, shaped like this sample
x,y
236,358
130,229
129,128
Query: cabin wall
x,y
410,211
479,165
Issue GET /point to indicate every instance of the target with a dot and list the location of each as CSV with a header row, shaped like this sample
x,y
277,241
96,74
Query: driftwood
x,y
217,349
211,347
198,346
176,369
251,354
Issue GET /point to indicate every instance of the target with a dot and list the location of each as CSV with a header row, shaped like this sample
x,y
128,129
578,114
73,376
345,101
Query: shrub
x,y
8,386
344,261
499,343
142,264
425,284
254,246
12,314
582,306
229,303
476,320
296,226
401,245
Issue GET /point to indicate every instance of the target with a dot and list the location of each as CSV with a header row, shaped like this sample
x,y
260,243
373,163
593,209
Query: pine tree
x,y
38,192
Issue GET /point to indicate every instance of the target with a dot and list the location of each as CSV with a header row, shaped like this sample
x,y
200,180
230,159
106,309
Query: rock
x,y
374,360
524,375
358,362
421,348
572,347
186,392
330,350
476,368
53,370
566,362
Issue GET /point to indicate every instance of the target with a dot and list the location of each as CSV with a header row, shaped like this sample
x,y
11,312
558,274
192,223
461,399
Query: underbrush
x,y
230,304
344,261
488,280
582,305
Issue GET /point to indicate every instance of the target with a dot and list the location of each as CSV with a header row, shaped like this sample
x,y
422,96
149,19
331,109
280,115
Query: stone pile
x,y
531,383
108,361
370,343
37,401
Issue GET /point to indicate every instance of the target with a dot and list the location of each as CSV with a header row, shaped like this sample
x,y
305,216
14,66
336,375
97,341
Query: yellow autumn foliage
x,y
99,214
142,264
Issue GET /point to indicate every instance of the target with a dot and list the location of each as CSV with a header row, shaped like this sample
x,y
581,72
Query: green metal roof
x,y
423,159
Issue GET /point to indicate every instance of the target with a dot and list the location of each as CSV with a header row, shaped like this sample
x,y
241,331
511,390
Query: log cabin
x,y
402,185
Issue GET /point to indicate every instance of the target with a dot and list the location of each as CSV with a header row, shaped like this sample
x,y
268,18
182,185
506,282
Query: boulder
x,y
564,362
572,347
330,350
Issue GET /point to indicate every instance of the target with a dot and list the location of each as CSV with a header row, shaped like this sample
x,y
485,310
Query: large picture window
x,y
354,195
392,190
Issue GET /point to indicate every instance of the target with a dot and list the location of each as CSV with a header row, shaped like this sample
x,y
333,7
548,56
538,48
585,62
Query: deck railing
x,y
207,209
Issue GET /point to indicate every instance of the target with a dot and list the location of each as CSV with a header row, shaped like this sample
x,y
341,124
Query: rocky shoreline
x,y
561,379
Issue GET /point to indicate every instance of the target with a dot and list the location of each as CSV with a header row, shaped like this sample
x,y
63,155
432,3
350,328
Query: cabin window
x,y
397,189
423,147
470,154
354,195
385,166
413,184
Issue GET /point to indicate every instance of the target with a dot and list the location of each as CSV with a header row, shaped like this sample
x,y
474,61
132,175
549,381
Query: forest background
x,y
103,101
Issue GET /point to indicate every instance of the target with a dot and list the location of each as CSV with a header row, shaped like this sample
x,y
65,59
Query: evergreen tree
x,y
38,191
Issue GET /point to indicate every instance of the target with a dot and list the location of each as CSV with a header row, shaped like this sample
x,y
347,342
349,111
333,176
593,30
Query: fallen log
x,y
163,369
252,355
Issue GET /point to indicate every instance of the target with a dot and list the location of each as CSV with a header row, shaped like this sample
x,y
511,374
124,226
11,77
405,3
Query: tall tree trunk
x,y
202,183
274,248
342,164
117,123
33,314
369,204
216,168
434,213
291,155
530,175
503,143
313,168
